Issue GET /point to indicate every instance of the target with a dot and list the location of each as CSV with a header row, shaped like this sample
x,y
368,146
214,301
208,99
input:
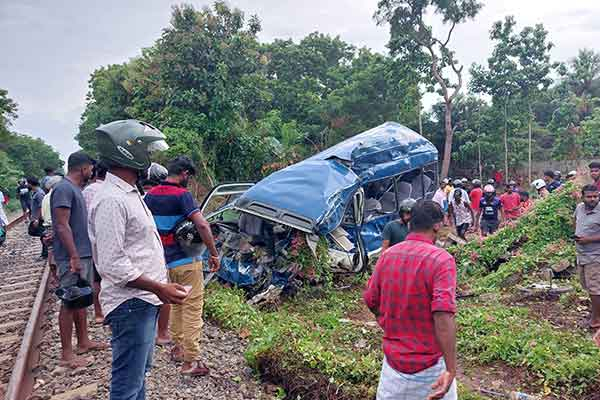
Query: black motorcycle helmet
x,y
129,143
188,237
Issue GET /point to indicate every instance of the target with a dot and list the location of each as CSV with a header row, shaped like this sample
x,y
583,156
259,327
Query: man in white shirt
x,y
129,255
89,192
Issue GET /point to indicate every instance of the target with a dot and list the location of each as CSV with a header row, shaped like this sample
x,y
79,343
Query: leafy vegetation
x,y
20,155
241,108
535,240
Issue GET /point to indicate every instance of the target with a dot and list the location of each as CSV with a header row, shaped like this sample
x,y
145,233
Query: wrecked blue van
x,y
344,195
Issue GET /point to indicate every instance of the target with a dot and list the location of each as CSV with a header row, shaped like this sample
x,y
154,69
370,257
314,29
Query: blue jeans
x,y
133,325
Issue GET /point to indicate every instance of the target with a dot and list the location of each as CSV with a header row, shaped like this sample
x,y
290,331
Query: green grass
x,y
563,362
310,335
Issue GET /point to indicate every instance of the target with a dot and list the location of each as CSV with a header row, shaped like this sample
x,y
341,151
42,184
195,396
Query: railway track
x,y
23,293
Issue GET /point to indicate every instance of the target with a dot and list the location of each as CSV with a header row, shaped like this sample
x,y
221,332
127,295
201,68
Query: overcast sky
x,y
49,48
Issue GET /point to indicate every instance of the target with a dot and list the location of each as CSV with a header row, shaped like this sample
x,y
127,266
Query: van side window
x,y
429,181
410,185
380,198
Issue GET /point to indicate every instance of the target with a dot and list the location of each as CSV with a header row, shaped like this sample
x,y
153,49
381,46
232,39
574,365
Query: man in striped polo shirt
x,y
170,203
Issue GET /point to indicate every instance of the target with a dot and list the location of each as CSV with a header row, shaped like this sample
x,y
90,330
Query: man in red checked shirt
x,y
413,294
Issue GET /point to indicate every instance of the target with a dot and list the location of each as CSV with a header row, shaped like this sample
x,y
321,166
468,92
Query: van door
x,y
223,195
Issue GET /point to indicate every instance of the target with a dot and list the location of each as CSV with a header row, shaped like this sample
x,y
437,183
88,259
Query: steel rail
x,y
20,385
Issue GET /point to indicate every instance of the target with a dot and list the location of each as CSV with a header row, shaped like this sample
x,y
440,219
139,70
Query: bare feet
x,y
91,346
75,362
99,319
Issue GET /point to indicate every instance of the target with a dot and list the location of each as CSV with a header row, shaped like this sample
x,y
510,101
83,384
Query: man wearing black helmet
x,y
395,231
128,254
170,203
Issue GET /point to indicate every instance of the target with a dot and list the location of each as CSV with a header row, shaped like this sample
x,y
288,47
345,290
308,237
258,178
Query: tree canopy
x,y
239,107
20,155
242,108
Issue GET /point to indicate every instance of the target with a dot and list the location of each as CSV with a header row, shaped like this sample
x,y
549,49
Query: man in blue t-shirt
x,y
490,211
171,203
552,182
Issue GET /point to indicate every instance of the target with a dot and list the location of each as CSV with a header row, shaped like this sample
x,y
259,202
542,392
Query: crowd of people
x,y
109,225
470,206
412,290
107,228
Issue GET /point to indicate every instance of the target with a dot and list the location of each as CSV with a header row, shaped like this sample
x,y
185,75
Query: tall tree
x,y
411,36
500,78
533,52
585,72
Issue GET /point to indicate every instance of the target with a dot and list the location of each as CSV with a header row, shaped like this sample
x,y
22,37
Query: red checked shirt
x,y
412,280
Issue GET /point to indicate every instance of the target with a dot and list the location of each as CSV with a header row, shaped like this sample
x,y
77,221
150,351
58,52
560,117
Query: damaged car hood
x,y
310,196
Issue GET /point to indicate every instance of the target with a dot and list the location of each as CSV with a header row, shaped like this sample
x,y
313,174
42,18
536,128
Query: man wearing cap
x,y
50,172
73,254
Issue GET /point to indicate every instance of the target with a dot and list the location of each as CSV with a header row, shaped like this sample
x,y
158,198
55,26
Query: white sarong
x,y
394,385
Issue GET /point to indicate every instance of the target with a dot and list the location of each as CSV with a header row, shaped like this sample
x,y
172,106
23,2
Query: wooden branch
x,y
436,73
458,73
445,44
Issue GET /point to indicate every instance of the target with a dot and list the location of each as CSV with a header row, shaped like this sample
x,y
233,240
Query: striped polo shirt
x,y
171,203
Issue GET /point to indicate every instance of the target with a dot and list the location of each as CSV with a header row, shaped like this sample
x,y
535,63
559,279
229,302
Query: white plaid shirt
x,y
125,243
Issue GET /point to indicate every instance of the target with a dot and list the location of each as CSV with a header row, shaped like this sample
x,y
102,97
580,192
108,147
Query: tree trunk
x,y
530,138
505,140
479,161
420,119
448,141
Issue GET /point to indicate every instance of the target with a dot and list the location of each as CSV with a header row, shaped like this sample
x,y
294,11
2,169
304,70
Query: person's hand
x,y
441,386
583,240
75,264
214,263
597,338
171,293
47,238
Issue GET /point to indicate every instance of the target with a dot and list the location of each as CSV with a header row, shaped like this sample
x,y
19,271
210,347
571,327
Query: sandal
x,y
177,354
197,369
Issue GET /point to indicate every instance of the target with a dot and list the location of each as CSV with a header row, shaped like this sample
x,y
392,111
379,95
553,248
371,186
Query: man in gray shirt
x,y
73,254
587,239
